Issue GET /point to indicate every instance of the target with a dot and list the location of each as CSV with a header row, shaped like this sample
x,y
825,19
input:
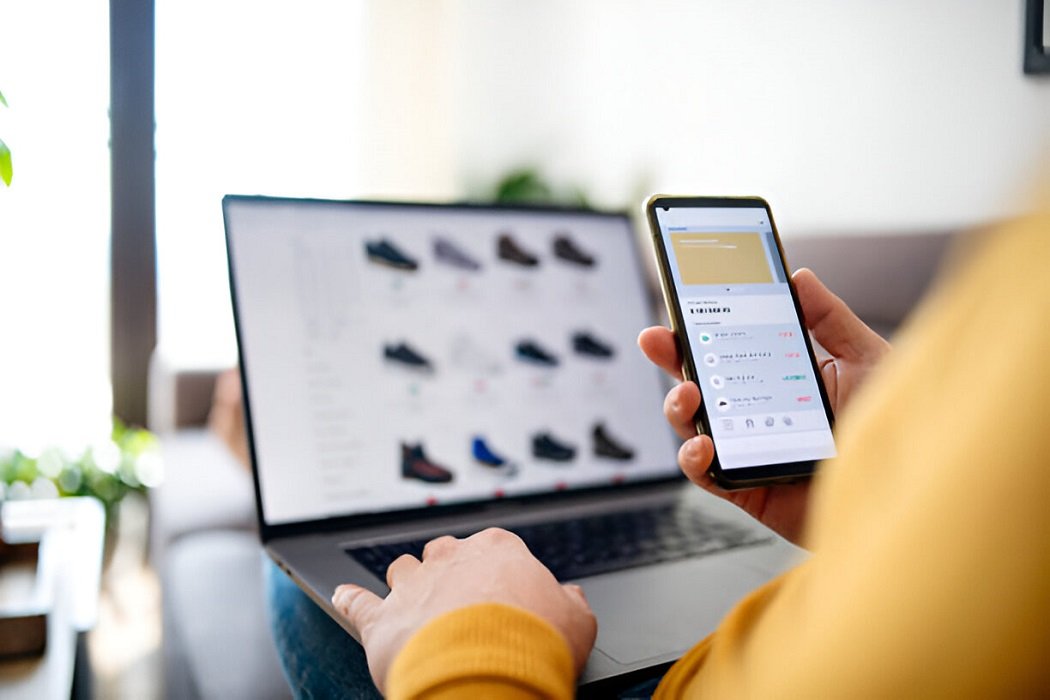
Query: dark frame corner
x,y
1036,57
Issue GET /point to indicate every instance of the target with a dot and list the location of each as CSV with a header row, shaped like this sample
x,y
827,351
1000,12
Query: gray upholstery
x,y
216,619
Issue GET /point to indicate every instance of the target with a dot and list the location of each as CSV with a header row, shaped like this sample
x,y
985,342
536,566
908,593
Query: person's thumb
x,y
357,606
831,321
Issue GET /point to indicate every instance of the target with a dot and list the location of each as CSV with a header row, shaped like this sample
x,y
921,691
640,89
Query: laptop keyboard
x,y
593,545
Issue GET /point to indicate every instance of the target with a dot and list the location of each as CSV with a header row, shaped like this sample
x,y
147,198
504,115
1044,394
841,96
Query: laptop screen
x,y
402,356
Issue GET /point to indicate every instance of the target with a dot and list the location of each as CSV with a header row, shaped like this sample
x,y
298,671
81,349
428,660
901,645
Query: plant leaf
x,y
5,164
2,100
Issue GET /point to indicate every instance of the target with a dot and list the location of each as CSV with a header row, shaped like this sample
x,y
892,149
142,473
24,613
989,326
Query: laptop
x,y
414,370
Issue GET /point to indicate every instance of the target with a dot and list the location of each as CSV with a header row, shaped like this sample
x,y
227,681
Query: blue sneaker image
x,y
484,455
383,252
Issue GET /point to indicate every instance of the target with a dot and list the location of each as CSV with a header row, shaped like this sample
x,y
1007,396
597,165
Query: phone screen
x,y
761,393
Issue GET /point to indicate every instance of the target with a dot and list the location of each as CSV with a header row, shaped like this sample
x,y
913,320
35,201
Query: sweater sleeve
x,y
487,650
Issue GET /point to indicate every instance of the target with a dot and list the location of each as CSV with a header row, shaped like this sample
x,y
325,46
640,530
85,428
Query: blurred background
x,y
128,121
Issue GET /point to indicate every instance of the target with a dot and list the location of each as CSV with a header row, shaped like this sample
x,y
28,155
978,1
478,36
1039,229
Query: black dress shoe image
x,y
586,344
531,352
545,446
415,465
507,249
405,355
607,446
447,252
383,252
567,250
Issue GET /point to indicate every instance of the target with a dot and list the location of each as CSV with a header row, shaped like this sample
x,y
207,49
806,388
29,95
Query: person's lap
x,y
320,659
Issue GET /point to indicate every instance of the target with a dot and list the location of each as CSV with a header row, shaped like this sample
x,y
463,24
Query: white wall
x,y
848,115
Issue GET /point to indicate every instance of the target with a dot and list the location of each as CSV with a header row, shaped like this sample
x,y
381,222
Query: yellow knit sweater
x,y
930,534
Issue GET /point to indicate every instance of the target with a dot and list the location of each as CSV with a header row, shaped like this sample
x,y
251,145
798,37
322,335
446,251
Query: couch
x,y
203,540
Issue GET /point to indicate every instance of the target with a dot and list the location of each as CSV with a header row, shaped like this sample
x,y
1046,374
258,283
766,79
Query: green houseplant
x,y
128,461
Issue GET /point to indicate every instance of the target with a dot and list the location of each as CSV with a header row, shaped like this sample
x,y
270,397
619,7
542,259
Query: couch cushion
x,y
216,608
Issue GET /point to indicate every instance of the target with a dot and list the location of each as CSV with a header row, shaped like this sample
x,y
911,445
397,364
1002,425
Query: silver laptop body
x,y
414,370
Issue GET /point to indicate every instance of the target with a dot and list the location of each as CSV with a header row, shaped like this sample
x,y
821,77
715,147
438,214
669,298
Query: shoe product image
x,y
566,249
531,352
383,252
405,355
507,249
606,446
545,446
447,252
415,465
484,455
586,344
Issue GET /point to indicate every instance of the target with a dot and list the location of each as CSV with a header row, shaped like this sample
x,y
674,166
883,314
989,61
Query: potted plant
x,y
127,461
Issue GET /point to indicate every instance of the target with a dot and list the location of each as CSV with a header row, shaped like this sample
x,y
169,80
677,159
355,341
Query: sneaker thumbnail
x,y
383,252
532,352
567,250
403,354
447,252
546,446
508,249
484,455
415,465
607,446
586,344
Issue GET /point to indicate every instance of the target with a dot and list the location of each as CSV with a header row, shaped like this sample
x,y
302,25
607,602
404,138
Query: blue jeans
x,y
320,659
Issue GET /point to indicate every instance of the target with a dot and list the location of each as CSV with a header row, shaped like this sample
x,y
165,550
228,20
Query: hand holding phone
x,y
739,328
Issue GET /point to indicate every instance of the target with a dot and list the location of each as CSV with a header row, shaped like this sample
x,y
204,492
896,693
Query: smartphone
x,y
742,338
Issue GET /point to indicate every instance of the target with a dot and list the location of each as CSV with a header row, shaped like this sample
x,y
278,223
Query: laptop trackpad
x,y
666,609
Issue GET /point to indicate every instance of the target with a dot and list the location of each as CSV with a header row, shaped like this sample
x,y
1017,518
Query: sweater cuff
x,y
489,644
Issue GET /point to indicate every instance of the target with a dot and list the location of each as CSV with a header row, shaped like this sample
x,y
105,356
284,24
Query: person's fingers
x,y
833,323
439,546
659,345
680,406
399,568
576,593
584,626
694,457
357,606
829,372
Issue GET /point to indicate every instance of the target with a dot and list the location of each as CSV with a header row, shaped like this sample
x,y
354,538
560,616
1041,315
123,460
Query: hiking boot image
x,y
507,249
587,344
566,249
447,252
606,446
484,455
415,465
404,355
545,446
531,352
383,252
